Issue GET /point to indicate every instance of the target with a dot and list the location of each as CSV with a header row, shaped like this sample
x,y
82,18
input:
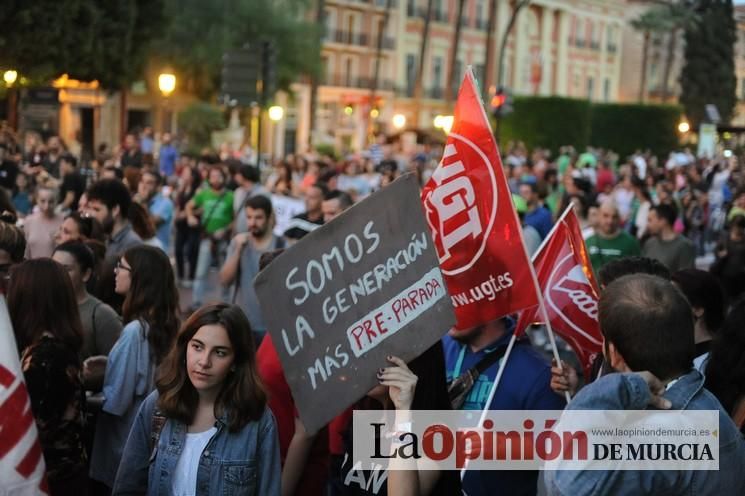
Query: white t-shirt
x,y
185,477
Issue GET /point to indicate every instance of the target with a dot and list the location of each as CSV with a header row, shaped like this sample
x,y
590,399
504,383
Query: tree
x,y
708,76
199,32
419,83
449,90
651,21
680,16
88,39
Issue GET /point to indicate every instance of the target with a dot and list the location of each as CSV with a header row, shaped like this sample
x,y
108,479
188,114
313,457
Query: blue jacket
x,y
240,463
630,392
525,385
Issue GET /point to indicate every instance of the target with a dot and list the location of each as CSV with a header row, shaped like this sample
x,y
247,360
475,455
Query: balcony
x,y
435,93
482,24
348,38
349,81
440,16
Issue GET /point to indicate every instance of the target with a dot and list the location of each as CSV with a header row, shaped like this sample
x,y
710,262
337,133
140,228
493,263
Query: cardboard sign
x,y
364,286
285,208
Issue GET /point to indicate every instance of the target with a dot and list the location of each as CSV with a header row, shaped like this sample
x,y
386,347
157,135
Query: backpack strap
x,y
93,323
157,422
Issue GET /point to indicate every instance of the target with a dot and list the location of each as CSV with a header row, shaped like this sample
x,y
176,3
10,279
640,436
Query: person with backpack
x,y
242,262
207,428
145,277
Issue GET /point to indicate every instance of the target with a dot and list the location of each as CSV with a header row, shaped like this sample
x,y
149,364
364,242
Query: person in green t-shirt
x,y
214,206
610,241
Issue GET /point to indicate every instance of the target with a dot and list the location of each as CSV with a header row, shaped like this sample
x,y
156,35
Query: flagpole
x,y
500,371
541,301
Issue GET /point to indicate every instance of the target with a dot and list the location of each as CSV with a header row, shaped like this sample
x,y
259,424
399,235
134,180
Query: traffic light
x,y
249,75
240,73
501,103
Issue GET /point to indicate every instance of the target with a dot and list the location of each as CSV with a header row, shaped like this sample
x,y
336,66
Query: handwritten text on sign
x,y
364,286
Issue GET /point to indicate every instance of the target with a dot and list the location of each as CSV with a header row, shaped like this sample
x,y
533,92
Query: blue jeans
x,y
204,261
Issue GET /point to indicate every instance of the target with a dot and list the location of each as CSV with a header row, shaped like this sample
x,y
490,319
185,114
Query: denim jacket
x,y
630,392
240,463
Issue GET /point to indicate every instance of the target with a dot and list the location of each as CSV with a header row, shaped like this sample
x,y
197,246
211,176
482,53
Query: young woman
x,y
77,227
145,278
41,226
101,324
42,308
187,237
216,434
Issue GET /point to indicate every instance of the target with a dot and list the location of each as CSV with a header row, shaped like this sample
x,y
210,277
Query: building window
x,y
437,77
350,29
457,75
480,74
411,8
742,90
606,90
590,88
579,34
410,74
348,73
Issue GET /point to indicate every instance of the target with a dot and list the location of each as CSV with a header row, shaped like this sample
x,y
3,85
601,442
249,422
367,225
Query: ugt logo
x,y
571,296
461,205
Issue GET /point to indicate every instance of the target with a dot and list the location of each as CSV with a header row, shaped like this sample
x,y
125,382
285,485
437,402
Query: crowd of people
x,y
136,392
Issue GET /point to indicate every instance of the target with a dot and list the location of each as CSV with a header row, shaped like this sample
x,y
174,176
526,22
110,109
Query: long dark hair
x,y
725,370
242,397
41,299
152,297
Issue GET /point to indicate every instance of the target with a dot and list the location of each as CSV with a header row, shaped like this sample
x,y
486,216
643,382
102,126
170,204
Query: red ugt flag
x,y
570,291
22,468
473,222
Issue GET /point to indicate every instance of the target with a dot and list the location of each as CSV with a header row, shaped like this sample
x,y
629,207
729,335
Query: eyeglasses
x,y
120,266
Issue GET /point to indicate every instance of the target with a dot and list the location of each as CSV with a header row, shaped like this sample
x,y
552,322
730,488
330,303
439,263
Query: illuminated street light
x,y
374,113
10,77
276,113
438,121
166,83
447,123
684,127
399,121
349,110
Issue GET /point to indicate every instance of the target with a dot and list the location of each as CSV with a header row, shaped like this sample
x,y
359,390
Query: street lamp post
x,y
166,85
10,77
276,113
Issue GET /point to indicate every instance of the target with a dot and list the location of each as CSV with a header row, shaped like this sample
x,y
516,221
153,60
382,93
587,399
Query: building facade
x,y
557,47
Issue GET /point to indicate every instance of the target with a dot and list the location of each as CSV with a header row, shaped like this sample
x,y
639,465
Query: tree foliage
x,y
88,39
708,75
198,121
199,32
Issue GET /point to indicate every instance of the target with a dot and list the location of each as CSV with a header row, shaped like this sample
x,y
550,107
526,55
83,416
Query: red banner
x,y
22,469
474,225
570,291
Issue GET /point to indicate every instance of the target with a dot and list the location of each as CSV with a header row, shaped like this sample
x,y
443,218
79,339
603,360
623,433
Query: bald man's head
x,y
608,221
